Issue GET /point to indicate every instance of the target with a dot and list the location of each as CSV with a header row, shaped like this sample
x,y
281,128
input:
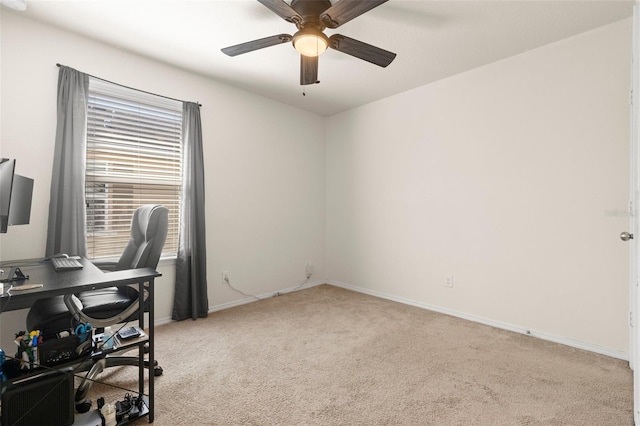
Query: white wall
x,y
512,177
264,161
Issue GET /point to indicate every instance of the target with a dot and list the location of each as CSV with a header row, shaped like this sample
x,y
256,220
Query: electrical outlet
x,y
225,277
309,269
448,281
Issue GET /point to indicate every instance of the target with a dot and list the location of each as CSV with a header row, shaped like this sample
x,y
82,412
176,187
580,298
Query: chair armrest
x,y
105,265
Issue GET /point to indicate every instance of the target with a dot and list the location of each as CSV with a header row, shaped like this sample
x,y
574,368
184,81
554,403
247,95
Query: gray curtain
x,y
190,297
67,226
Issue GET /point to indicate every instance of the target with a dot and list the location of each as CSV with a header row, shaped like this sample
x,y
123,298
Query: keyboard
x,y
65,264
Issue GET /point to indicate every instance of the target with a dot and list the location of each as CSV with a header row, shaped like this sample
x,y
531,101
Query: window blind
x,y
133,158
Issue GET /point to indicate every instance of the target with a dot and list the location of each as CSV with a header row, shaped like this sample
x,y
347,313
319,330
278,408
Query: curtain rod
x,y
127,87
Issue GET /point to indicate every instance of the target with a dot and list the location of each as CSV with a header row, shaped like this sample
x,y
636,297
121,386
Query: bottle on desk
x,y
107,338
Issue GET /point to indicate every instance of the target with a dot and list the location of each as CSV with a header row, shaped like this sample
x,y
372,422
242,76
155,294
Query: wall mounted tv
x,y
15,196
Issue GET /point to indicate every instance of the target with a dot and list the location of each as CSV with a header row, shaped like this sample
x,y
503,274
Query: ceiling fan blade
x,y
308,70
283,10
361,50
250,46
345,10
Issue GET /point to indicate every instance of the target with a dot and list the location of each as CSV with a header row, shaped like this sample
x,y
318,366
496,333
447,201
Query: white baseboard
x,y
268,295
162,321
505,326
245,300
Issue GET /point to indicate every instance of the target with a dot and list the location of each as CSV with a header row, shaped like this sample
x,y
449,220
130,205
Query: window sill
x,y
164,261
167,261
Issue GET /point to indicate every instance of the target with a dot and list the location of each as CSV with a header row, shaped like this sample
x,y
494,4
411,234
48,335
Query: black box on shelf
x,y
43,398
55,351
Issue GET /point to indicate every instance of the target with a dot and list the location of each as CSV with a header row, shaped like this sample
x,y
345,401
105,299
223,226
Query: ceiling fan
x,y
311,17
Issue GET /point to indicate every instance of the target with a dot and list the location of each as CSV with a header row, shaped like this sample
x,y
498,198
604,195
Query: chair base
x,y
96,367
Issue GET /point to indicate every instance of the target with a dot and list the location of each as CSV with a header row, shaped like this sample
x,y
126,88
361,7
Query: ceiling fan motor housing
x,y
310,10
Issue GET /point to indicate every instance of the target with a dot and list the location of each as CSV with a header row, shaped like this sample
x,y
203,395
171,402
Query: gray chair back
x,y
149,227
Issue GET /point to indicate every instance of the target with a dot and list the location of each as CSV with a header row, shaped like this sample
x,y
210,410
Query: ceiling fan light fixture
x,y
310,42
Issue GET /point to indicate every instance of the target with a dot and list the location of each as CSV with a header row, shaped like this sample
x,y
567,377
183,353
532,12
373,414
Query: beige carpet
x,y
328,356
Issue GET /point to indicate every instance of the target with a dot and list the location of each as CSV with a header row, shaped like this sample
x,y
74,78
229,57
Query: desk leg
x,y
141,347
151,349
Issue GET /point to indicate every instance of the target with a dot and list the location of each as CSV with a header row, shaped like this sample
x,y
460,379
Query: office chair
x,y
109,306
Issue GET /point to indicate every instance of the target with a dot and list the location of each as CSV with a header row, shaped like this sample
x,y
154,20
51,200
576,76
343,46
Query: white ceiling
x,y
433,40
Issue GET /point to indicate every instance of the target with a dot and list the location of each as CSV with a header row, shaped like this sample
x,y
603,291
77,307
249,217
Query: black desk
x,y
76,281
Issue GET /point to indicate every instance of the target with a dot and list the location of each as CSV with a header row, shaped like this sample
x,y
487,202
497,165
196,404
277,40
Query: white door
x,y
634,210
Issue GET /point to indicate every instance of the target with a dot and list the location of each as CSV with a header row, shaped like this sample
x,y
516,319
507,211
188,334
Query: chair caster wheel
x,y
83,407
157,371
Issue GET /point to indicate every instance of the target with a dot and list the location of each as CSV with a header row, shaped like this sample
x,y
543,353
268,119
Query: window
x,y
133,158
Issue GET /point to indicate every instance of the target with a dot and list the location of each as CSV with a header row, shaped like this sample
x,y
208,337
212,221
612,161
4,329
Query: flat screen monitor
x,y
21,193
7,168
